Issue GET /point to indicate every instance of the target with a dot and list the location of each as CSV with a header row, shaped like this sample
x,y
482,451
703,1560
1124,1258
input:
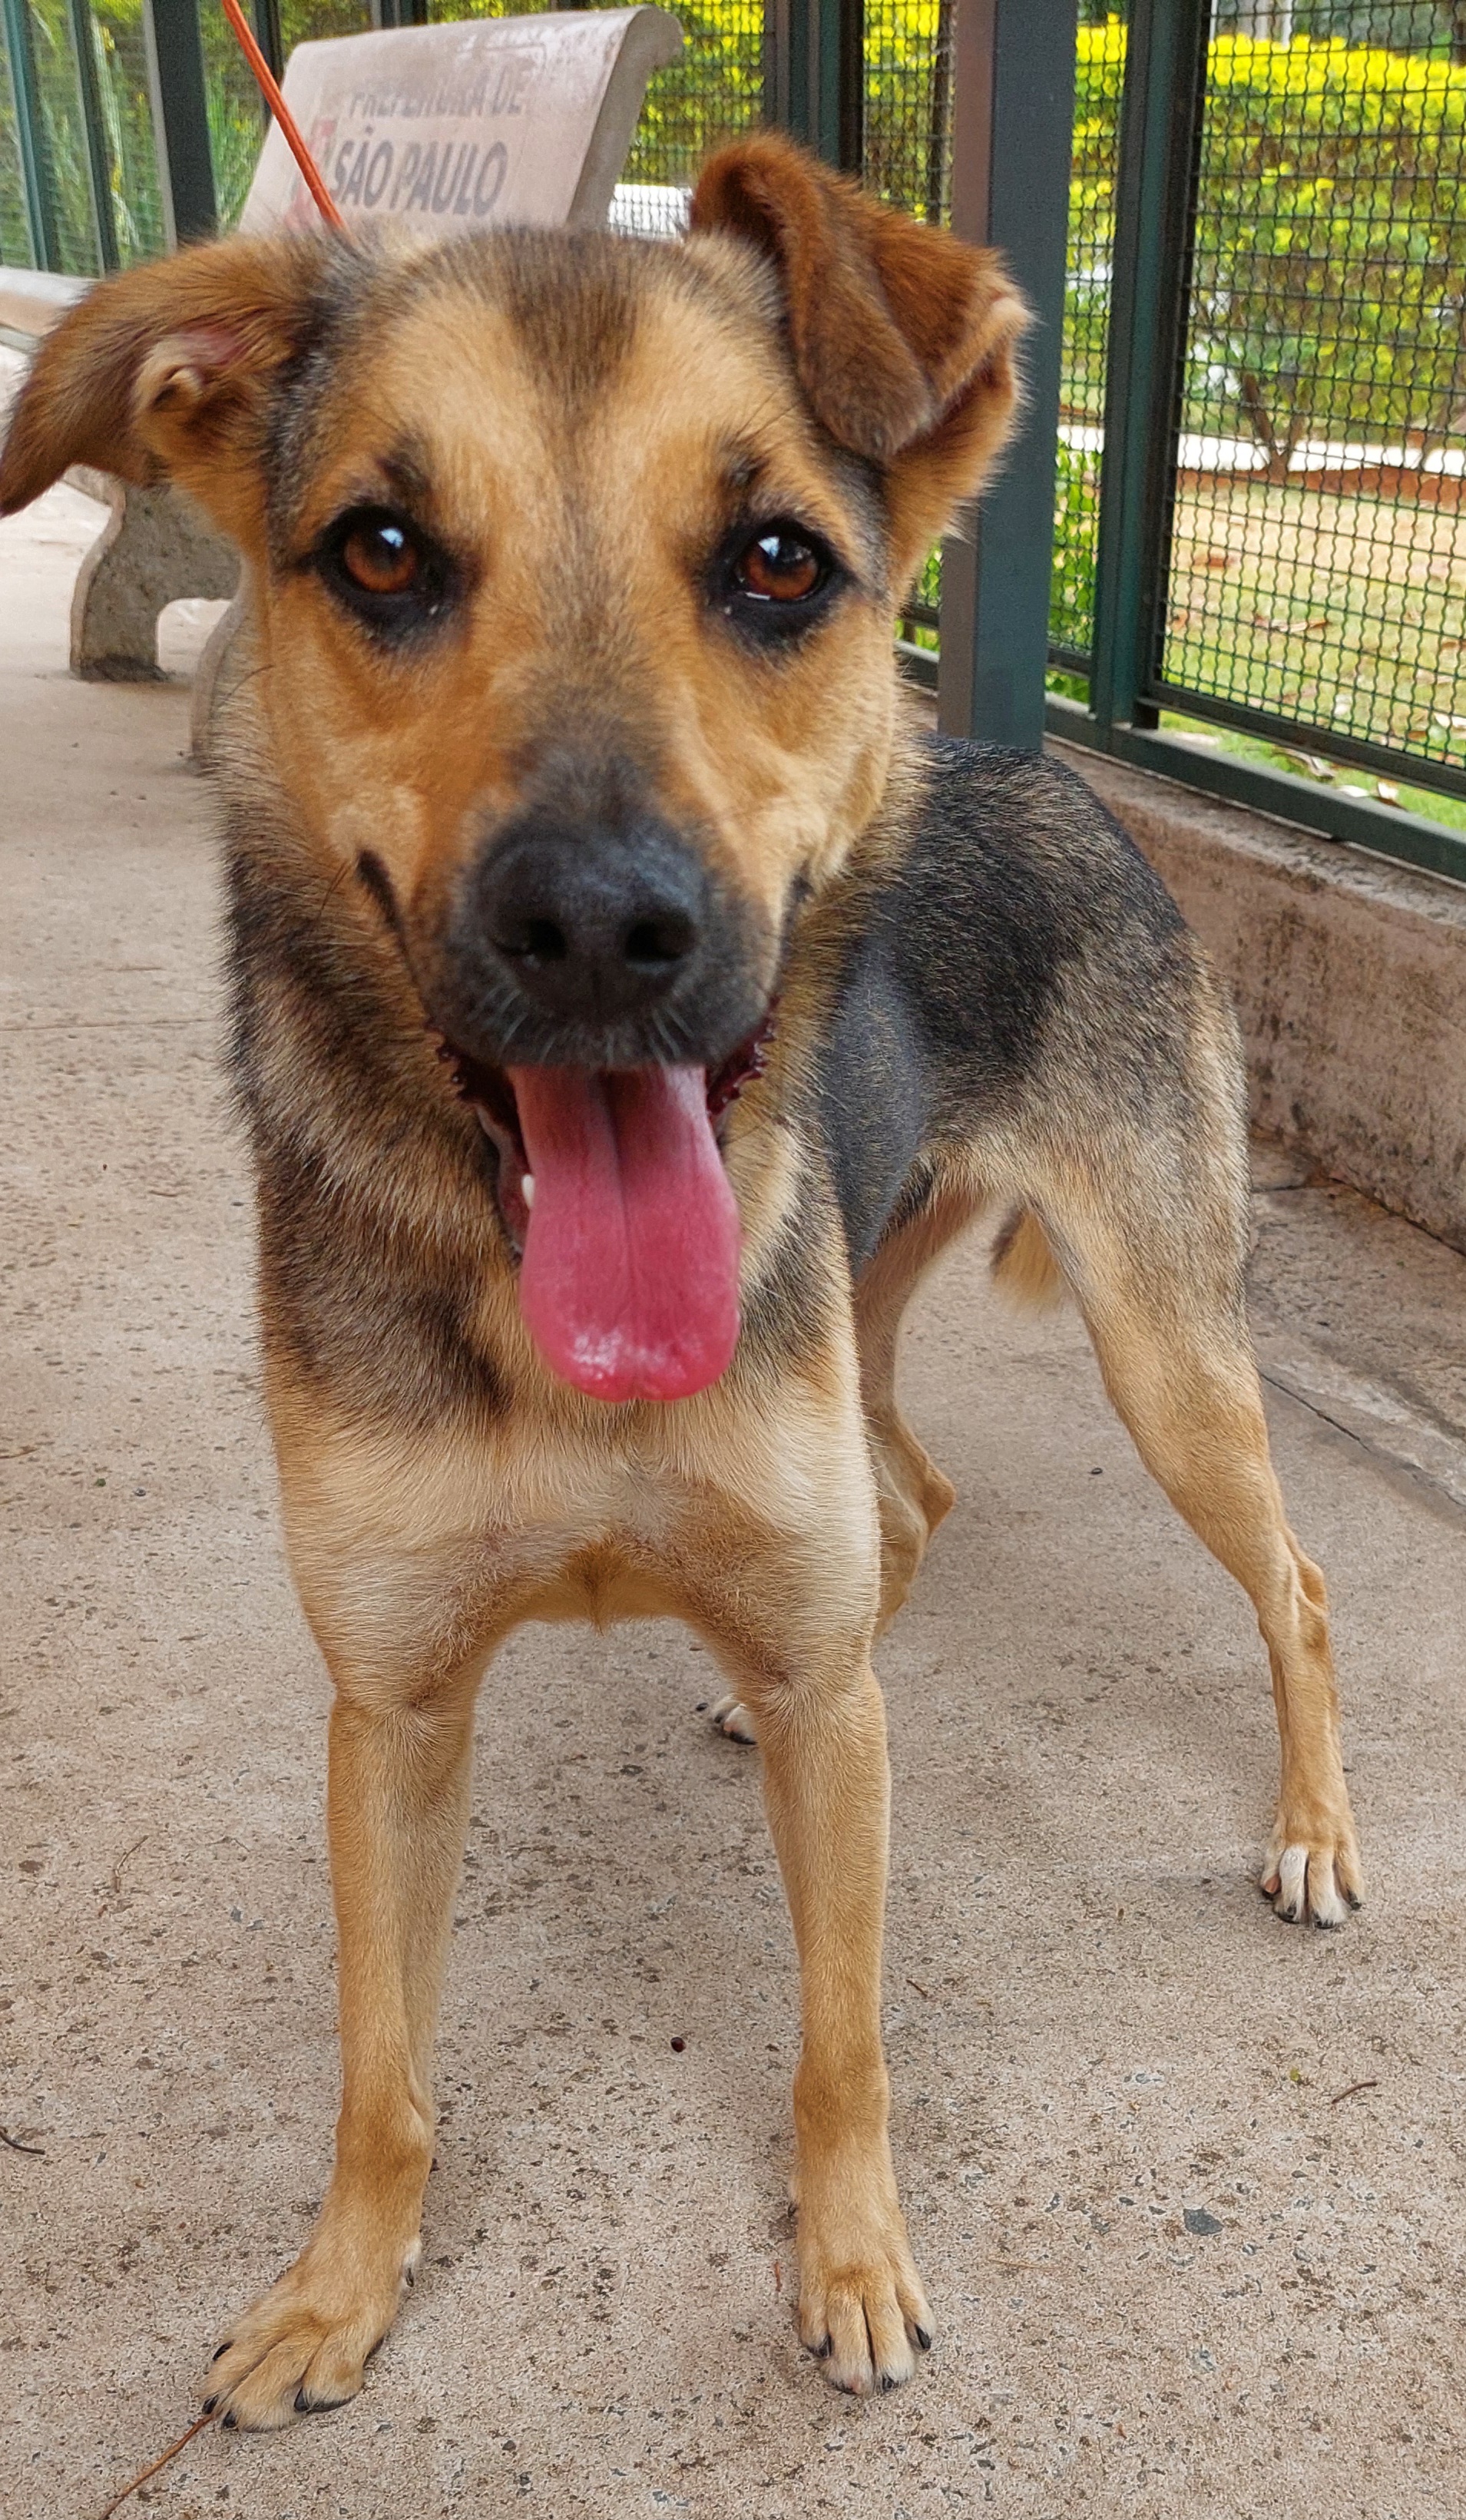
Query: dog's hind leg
x,y
914,1496
1165,1311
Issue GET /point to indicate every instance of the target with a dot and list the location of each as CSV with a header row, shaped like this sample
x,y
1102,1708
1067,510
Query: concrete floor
x,y
1186,2186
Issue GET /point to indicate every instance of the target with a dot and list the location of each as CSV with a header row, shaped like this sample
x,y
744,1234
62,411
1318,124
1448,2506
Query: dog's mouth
x,y
612,1191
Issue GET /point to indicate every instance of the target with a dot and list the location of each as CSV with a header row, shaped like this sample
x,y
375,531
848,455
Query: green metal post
x,y
815,76
1013,144
179,100
98,154
267,34
1155,196
40,210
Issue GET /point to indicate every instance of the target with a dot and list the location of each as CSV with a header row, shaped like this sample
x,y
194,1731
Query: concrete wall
x,y
1350,976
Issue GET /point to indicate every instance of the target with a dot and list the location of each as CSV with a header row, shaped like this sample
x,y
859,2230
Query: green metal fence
x,y
1317,563
1098,86
1276,603
905,155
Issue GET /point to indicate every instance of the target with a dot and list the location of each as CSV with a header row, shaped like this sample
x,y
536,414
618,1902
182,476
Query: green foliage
x,y
1329,275
1076,538
918,623
116,31
122,79
60,139
236,115
908,103
1328,285
15,231
1328,262
1100,80
713,90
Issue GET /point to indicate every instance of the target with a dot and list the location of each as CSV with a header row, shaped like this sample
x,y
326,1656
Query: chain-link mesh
x,y
1318,577
711,93
59,136
128,144
125,156
908,103
1099,81
907,157
15,225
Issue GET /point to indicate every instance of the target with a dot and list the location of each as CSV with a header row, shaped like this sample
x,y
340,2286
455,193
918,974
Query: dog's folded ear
x,y
160,373
903,338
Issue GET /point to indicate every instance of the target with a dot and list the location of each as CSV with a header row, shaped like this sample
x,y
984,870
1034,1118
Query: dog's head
x,y
574,564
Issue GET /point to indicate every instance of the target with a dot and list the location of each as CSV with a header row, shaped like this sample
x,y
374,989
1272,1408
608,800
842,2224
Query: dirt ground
x,y
1185,2185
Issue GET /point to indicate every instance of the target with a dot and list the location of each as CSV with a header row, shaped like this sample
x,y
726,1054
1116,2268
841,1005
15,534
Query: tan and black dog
x,y
628,1007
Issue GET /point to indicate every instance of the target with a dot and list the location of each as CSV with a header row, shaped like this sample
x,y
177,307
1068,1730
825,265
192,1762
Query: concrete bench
x,y
154,547
492,123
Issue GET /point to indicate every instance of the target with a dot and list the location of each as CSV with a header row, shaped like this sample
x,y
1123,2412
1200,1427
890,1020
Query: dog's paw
x,y
1314,1876
861,2309
732,1717
302,2349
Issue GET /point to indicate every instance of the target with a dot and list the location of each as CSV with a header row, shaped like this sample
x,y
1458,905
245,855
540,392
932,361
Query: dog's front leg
x,y
823,1737
779,1566
397,1811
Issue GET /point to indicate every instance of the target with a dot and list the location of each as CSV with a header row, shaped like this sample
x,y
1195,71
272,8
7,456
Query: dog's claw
x,y
303,2347
733,1719
1313,1878
861,2303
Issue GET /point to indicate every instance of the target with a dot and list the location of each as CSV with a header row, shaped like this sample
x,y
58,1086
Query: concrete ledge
x,y
1350,977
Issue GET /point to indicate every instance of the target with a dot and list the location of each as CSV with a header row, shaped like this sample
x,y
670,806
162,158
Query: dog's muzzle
x,y
602,949
602,999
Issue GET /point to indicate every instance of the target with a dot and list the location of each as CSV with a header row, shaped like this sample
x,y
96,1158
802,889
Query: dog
x,y
629,1006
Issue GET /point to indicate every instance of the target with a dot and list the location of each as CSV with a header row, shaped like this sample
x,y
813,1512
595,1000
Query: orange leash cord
x,y
289,128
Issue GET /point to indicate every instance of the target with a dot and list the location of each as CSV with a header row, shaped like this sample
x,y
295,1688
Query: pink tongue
x,y
630,1280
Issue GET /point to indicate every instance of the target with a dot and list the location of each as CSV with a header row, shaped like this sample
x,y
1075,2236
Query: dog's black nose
x,y
593,930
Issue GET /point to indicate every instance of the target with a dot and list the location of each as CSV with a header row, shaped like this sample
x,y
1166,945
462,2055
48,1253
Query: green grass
x,y
1342,613
1344,777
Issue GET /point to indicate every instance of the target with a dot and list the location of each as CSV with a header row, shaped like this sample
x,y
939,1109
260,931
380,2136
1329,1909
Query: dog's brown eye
x,y
382,558
778,567
387,571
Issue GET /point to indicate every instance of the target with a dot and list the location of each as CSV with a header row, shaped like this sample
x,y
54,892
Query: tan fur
x,y
1024,1269
915,1497
782,1514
